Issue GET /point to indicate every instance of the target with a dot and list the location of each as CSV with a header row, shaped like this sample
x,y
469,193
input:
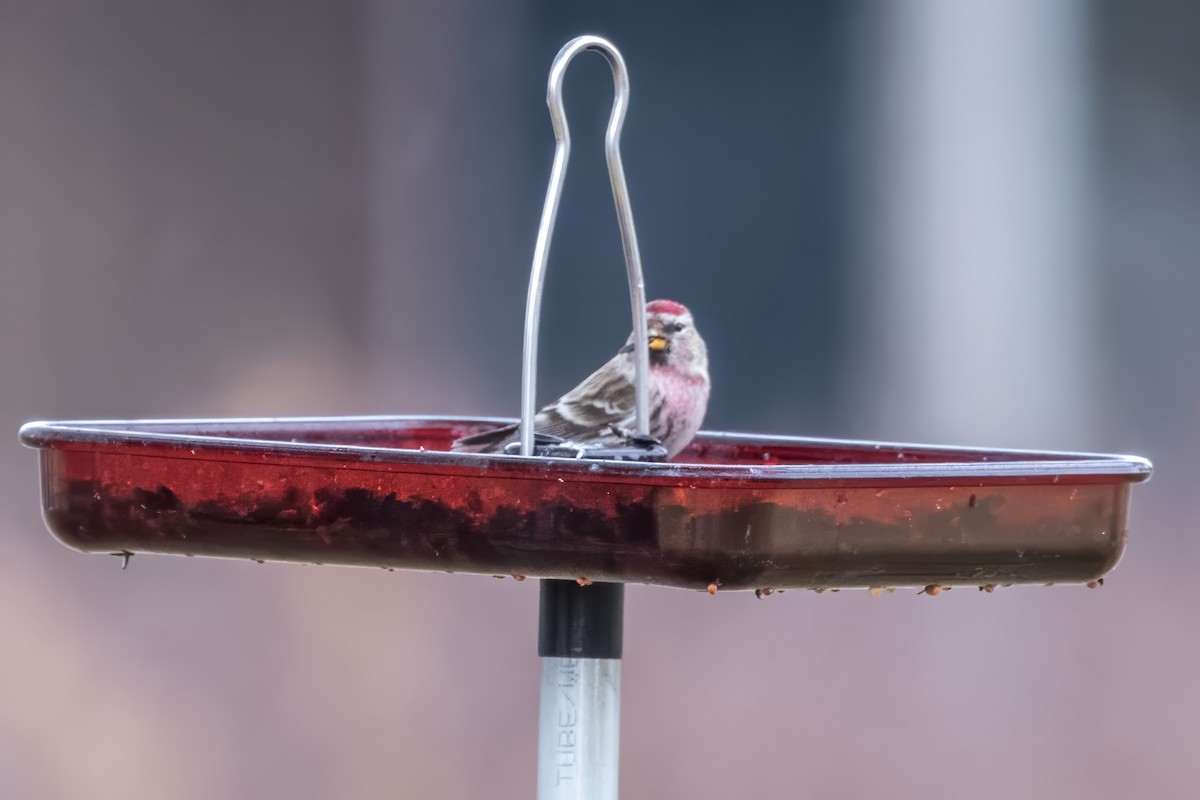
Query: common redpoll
x,y
601,409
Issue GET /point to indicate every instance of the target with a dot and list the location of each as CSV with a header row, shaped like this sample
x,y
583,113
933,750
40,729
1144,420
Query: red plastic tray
x,y
738,511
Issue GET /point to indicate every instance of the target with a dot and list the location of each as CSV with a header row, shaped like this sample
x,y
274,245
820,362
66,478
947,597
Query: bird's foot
x,y
635,439
630,446
541,442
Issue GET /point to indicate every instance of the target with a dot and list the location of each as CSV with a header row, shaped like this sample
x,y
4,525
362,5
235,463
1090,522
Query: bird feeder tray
x,y
733,511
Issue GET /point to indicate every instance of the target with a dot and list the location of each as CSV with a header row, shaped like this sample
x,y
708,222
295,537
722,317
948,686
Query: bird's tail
x,y
492,441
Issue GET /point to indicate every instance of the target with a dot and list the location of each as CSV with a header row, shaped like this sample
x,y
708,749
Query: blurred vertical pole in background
x,y
973,185
441,291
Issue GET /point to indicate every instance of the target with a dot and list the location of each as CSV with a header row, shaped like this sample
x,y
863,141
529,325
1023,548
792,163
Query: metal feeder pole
x,y
579,641
580,626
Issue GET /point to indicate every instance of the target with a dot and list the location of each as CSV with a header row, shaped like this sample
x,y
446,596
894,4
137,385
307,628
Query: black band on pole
x,y
581,621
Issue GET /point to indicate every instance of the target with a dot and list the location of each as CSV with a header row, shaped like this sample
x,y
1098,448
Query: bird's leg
x,y
633,438
645,440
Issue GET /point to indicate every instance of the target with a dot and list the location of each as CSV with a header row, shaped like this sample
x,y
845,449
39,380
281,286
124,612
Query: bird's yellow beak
x,y
658,343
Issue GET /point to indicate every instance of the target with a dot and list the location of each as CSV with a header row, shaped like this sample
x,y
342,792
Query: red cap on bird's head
x,y
666,307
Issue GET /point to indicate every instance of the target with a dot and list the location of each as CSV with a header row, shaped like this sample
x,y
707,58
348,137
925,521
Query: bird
x,y
601,409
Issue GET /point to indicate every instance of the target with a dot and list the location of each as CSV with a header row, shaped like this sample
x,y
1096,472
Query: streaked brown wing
x,y
605,398
585,413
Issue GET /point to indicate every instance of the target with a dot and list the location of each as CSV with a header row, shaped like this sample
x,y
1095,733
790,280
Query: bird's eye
x,y
677,327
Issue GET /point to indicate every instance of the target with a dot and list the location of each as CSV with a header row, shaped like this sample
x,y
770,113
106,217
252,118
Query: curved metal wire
x,y
541,250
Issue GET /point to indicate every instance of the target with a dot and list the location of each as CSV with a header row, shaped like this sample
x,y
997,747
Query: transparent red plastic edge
x,y
740,511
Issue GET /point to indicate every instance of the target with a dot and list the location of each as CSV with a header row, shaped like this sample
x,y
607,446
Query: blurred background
x,y
971,223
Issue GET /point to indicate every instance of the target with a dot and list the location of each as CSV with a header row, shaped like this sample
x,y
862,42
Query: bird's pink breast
x,y
684,399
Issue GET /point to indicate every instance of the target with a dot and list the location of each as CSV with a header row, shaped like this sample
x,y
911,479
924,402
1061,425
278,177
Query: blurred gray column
x,y
976,274
441,78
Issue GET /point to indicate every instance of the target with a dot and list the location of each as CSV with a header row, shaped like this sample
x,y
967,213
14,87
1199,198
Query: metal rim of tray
x,y
1014,463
